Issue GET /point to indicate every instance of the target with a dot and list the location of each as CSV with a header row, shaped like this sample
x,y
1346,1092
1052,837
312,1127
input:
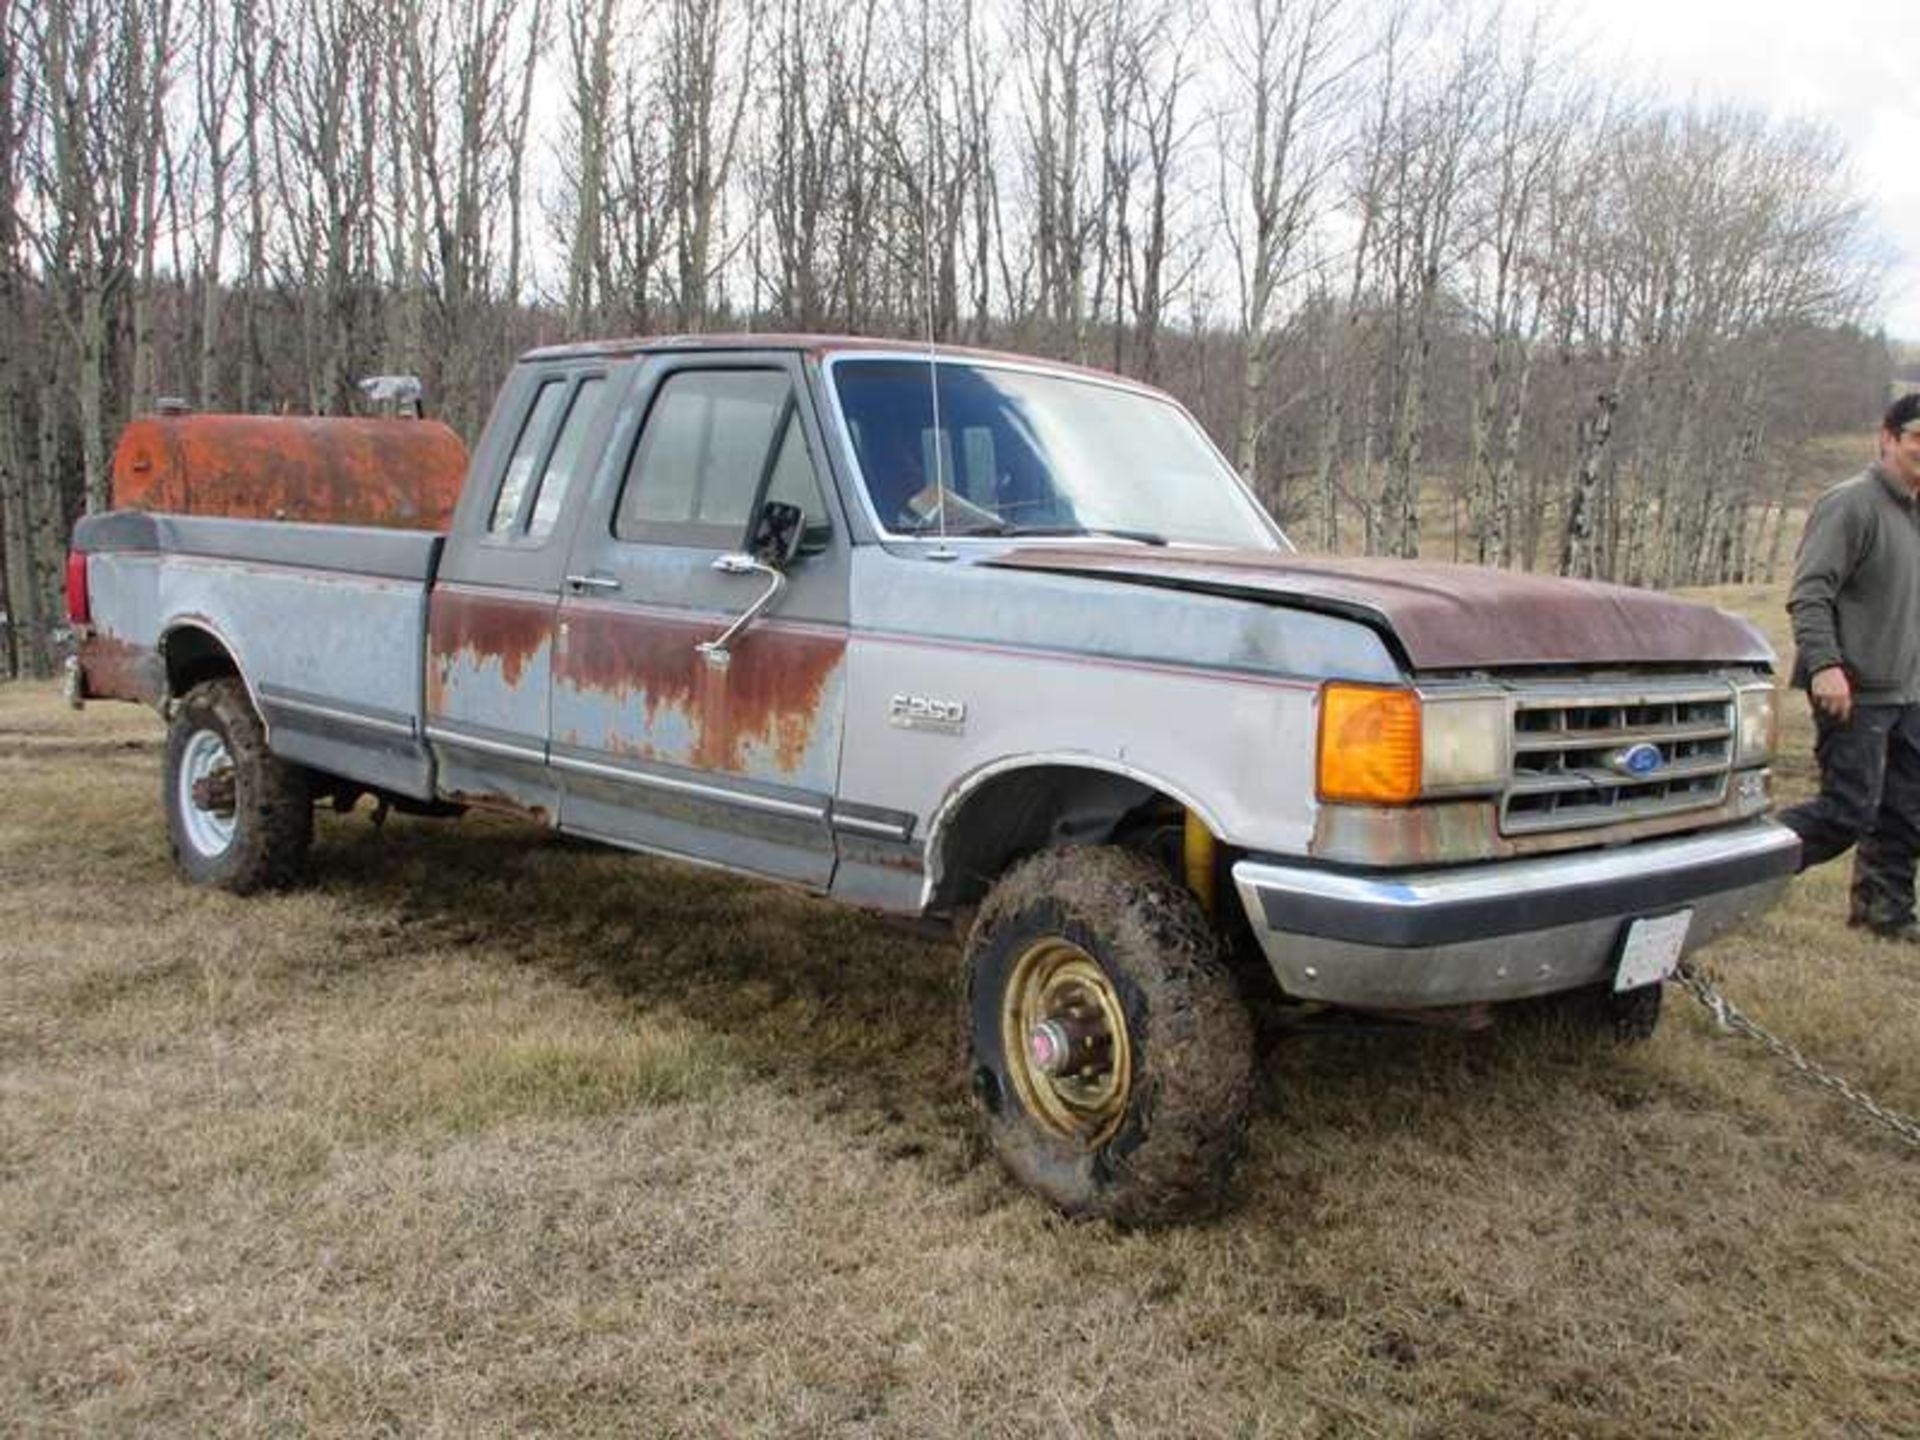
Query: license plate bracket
x,y
1650,949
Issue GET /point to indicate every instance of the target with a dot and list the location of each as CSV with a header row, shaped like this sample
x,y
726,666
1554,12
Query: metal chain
x,y
1727,1017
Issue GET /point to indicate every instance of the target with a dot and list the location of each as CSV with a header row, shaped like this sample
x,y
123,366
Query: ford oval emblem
x,y
1636,760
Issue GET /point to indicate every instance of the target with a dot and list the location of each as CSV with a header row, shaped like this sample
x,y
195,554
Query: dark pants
x,y
1869,796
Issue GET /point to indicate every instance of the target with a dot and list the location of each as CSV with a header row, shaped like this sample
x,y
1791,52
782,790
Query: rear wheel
x,y
1109,1053
238,817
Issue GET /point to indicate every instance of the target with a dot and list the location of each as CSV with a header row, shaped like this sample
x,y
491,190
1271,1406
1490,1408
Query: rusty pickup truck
x,y
958,634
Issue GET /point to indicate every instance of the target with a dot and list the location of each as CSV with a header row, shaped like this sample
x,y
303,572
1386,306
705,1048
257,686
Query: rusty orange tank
x,y
396,474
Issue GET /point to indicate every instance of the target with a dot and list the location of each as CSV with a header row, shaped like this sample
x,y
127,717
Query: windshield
x,y
1020,453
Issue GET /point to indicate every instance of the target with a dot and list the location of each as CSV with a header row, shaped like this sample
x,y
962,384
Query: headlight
x,y
1464,743
1759,725
1381,746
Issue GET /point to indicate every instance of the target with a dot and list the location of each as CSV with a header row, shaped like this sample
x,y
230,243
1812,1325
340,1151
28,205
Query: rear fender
x,y
193,650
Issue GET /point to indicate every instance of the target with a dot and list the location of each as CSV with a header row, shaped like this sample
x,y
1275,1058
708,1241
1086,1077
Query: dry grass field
x,y
484,1132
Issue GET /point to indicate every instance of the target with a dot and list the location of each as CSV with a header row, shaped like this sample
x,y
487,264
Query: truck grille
x,y
1572,754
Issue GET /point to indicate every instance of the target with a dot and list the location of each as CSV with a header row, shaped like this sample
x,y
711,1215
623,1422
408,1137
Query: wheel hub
x,y
1065,1038
207,793
1073,1042
215,791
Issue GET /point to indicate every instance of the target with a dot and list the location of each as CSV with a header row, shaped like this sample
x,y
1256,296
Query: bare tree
x,y
327,111
588,28
216,75
1339,349
258,60
1161,69
1055,45
25,648
704,67
86,245
1285,64
1530,128
819,110
470,56
1437,135
148,37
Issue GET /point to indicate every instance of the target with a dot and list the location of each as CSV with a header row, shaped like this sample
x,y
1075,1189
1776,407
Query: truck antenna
x,y
943,552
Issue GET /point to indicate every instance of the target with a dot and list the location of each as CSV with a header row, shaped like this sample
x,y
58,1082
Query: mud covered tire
x,y
263,839
1166,1148
1598,1012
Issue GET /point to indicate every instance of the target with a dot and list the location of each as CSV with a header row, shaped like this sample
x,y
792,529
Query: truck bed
x,y
328,627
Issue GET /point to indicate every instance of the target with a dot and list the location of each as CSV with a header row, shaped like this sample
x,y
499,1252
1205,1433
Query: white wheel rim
x,y
208,831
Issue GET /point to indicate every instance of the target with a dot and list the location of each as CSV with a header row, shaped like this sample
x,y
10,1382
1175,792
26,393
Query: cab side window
x,y
568,459
541,470
711,438
526,450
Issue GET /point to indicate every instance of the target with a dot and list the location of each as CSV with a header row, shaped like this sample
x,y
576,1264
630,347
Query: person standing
x,y
1855,605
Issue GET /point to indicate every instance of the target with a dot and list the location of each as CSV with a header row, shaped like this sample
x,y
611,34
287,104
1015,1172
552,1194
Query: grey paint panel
x,y
704,785
369,757
349,549
957,600
603,808
115,530
872,821
374,746
878,886
321,708
332,659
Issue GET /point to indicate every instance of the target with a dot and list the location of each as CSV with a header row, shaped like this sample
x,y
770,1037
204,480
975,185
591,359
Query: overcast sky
x,y
1852,63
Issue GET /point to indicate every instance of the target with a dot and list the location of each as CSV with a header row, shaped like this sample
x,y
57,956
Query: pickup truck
x,y
964,635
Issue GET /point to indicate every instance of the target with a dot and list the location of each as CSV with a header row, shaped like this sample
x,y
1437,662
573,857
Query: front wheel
x,y
238,817
1109,1052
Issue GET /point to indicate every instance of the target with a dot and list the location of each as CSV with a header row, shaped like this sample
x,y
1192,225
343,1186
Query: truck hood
x,y
1444,617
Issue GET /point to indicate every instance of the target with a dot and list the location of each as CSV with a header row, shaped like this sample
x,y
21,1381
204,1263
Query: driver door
x,y
657,745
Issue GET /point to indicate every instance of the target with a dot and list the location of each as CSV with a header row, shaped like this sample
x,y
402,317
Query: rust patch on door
x,y
484,630
395,474
767,698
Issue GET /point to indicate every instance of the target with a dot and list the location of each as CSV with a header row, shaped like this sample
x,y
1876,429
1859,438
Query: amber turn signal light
x,y
1369,744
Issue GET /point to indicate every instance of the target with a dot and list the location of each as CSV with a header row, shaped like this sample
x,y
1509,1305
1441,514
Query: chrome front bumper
x,y
1408,940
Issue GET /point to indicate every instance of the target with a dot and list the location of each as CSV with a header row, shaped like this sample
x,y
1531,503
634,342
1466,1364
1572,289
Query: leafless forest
x,y
1402,258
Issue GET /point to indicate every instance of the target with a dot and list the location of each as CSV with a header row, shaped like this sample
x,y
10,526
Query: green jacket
x,y
1856,589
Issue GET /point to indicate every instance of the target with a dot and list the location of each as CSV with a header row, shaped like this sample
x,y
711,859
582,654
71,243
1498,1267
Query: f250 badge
x,y
922,712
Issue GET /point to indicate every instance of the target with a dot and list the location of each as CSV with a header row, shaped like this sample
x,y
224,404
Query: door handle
x,y
579,584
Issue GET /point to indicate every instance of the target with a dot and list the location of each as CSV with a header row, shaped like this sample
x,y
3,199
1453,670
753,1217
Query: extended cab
x,y
949,633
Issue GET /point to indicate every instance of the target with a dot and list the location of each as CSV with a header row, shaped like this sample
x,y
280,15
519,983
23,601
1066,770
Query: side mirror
x,y
777,533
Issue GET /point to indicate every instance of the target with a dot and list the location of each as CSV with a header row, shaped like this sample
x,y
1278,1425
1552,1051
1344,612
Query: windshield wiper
x,y
1139,537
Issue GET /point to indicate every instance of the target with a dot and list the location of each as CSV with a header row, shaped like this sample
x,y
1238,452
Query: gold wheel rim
x,y
1057,982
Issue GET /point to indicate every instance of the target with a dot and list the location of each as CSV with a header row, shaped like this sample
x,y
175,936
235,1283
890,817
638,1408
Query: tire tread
x,y
1174,1156
273,799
